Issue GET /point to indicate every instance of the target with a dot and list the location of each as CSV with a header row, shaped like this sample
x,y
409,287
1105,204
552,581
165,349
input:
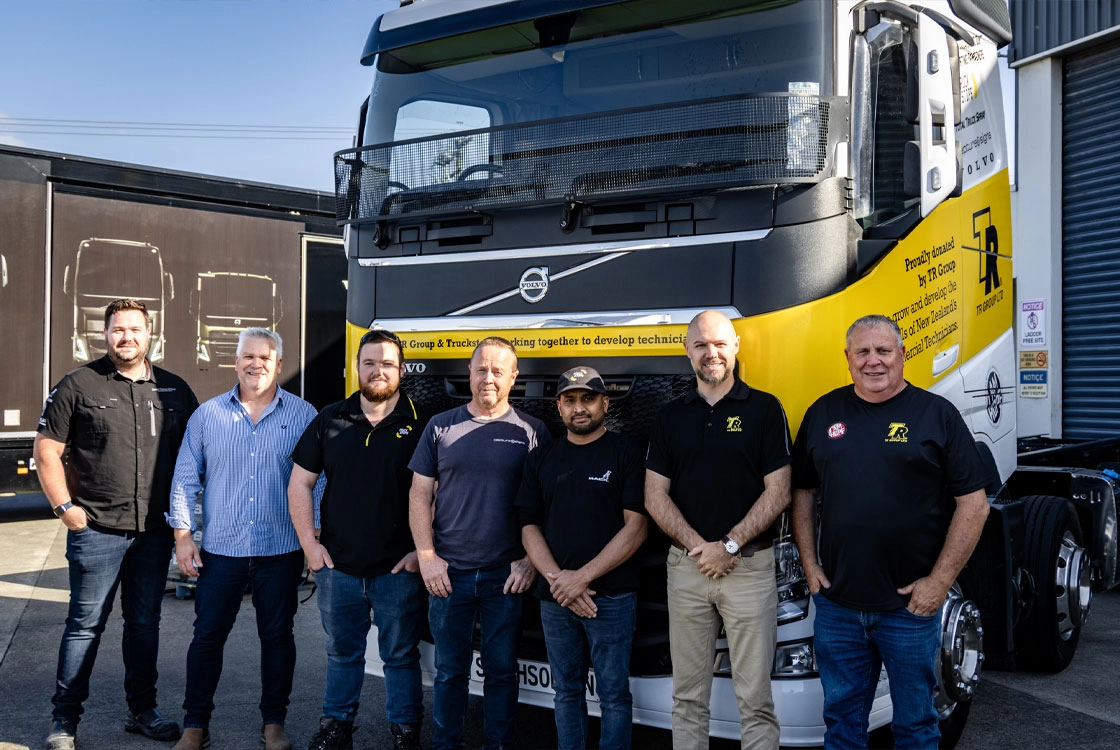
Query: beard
x,y
585,429
122,359
369,393
712,378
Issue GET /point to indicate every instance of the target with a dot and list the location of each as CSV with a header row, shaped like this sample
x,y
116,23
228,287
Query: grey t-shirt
x,y
477,464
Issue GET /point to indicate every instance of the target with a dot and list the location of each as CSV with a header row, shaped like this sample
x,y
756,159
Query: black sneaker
x,y
152,725
333,735
405,736
61,735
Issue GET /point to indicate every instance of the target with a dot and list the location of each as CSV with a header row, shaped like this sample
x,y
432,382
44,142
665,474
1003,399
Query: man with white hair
x,y
238,448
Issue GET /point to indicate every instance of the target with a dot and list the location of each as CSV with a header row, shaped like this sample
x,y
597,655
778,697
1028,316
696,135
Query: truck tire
x,y
1047,639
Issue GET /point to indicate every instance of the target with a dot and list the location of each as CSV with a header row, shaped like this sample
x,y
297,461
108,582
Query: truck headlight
x,y
81,353
795,659
203,353
793,589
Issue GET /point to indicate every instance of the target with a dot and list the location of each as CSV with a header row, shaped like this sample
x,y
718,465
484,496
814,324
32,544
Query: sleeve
x,y
530,499
805,476
775,437
58,410
965,469
633,477
424,460
186,482
544,437
658,457
308,453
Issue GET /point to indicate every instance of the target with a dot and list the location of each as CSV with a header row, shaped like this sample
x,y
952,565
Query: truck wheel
x,y
1047,639
958,673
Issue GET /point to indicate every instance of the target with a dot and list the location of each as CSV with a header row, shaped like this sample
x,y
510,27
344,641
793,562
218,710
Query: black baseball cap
x,y
585,378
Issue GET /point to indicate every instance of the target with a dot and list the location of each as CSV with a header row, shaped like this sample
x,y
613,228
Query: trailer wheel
x,y
1047,639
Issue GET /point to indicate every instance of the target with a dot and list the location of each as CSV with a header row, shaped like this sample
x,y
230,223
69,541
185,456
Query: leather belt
x,y
747,550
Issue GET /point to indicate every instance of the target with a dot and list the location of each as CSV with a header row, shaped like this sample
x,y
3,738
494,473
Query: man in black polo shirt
x,y
717,478
892,540
580,507
364,557
123,419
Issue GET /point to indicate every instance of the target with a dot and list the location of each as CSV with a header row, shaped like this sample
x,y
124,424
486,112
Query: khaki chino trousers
x,y
746,599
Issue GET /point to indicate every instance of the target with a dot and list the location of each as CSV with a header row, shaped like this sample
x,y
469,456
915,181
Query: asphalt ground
x,y
1075,709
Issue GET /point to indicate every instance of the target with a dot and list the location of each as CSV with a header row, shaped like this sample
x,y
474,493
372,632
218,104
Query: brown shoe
x,y
273,737
193,739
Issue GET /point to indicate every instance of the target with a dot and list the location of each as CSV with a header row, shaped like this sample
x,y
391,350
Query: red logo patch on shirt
x,y
837,430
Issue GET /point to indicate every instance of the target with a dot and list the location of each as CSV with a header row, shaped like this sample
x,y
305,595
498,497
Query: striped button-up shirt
x,y
243,471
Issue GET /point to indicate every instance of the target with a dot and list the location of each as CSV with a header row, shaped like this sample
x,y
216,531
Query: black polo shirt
x,y
716,457
124,436
363,516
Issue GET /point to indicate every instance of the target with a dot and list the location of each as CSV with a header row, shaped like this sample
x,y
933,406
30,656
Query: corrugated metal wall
x,y
1040,25
1091,243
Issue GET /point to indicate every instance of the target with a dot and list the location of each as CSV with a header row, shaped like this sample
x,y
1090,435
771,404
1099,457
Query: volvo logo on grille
x,y
415,367
534,284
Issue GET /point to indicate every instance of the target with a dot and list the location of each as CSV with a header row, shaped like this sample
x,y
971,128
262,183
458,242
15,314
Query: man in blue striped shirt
x,y
237,449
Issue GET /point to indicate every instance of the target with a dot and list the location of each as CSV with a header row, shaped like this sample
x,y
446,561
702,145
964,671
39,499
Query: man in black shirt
x,y
364,557
902,505
580,507
717,478
123,419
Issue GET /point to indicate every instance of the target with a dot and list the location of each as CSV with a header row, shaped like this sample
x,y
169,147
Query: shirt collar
x,y
740,391
111,371
233,396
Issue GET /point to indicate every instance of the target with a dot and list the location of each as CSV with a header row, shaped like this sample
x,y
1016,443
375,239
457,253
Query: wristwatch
x,y
60,510
730,545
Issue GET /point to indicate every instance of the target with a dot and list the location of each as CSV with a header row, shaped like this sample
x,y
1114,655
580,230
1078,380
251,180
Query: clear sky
x,y
69,68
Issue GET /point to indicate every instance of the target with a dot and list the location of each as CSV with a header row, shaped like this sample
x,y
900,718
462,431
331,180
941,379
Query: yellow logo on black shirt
x,y
734,424
896,432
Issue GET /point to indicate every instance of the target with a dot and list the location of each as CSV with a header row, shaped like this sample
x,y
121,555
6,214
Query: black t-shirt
x,y
124,436
717,457
888,474
364,512
576,494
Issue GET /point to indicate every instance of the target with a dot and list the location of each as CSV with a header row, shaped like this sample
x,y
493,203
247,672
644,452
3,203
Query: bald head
x,y
712,345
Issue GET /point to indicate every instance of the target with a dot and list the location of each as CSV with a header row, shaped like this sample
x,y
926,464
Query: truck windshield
x,y
572,104
234,296
113,270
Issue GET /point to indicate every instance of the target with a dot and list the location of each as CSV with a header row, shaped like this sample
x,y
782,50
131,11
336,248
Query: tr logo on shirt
x,y
734,424
896,432
605,478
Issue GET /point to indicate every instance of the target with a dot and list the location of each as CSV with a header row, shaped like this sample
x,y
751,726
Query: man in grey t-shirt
x,y
469,542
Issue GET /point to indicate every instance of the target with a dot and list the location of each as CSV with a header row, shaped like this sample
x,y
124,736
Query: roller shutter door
x,y
1091,243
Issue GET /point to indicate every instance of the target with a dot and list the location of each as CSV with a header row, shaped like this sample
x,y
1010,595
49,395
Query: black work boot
x,y
61,735
405,736
333,735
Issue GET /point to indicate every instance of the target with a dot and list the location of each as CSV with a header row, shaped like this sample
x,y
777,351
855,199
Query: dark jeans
x,y
475,593
851,647
100,560
217,600
399,605
609,634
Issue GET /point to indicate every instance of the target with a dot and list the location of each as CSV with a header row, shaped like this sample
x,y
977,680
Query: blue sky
x,y
210,62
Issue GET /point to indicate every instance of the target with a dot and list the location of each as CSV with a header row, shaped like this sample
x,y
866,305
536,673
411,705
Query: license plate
x,y
537,677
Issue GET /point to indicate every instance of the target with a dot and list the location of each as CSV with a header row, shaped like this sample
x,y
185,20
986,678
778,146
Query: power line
x,y
151,125
262,137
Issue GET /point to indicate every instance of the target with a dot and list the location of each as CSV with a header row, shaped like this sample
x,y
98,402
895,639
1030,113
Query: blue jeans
x,y
399,602
221,587
475,593
610,634
100,561
851,647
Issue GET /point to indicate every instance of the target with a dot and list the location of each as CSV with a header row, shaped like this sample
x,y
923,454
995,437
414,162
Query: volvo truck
x,y
583,177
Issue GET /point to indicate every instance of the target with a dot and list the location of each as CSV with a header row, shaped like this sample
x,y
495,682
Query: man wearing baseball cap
x,y
581,512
